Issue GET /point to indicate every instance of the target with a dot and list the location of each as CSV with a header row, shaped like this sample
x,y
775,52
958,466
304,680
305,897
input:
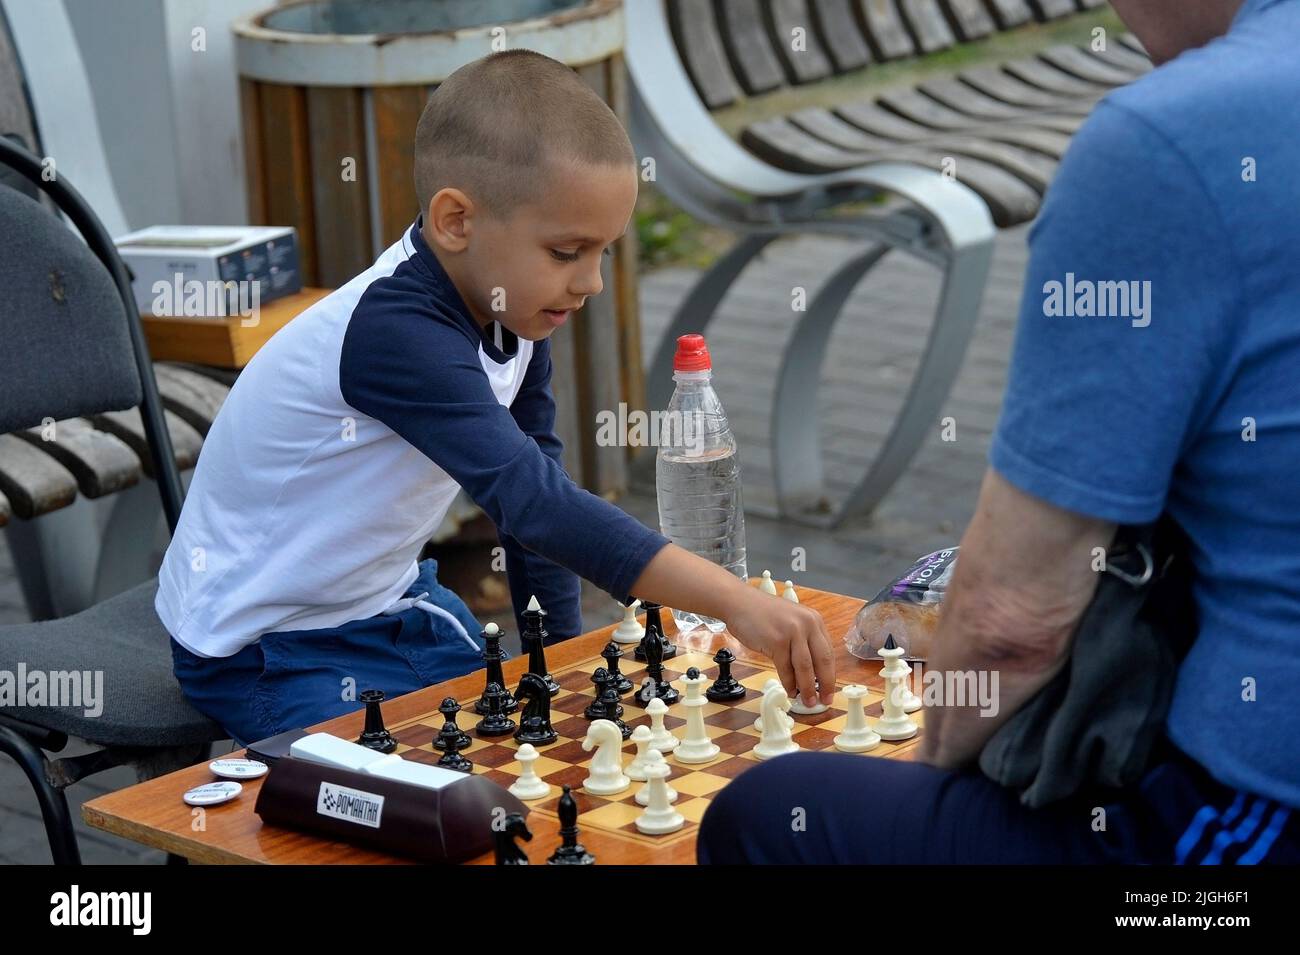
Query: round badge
x,y
238,768
212,794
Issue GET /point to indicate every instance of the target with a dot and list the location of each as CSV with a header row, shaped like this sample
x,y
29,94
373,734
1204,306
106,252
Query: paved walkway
x,y
873,350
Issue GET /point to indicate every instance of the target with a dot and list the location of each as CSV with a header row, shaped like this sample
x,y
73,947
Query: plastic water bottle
x,y
697,473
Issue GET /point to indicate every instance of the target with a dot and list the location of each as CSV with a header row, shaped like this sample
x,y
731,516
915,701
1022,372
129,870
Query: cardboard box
x,y
210,271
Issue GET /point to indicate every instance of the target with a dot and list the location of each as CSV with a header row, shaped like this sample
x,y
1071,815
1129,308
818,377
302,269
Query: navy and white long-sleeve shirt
x,y
343,444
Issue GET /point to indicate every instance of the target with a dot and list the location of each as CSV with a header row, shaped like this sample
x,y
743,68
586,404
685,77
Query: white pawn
x,y
768,586
660,738
857,737
777,738
911,702
758,723
894,722
660,817
789,593
629,630
529,785
696,747
636,769
797,705
606,777
642,796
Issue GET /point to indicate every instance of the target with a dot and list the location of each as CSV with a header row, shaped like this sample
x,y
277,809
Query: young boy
x,y
293,579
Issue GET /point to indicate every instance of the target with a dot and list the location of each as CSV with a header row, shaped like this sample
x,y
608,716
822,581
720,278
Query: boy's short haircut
x,y
495,128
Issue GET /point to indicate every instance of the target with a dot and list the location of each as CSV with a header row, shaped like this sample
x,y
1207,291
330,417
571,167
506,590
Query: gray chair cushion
x,y
123,638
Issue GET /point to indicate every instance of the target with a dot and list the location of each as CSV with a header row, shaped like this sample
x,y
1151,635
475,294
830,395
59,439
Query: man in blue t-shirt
x,y
1156,370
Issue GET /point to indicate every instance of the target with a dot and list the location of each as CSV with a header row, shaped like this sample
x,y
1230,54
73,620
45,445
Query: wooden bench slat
x,y
1010,200
1075,62
1049,79
1032,168
1062,123
991,81
101,463
953,93
34,482
876,121
1122,58
806,65
129,427
1053,9
919,108
195,398
927,24
744,34
1032,155
1134,44
1049,142
839,30
1010,13
829,127
695,35
969,19
884,29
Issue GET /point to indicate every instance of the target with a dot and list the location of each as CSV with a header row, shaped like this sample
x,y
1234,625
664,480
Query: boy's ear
x,y
448,219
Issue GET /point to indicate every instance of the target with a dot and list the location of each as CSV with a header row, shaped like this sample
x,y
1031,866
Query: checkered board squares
x,y
730,725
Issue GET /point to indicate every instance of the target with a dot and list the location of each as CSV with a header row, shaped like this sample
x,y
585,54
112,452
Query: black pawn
x,y
612,654
452,759
609,700
449,708
375,736
654,630
496,723
726,687
596,709
571,851
534,638
493,656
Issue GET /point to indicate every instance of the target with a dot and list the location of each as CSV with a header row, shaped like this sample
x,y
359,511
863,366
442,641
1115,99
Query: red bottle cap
x,y
692,354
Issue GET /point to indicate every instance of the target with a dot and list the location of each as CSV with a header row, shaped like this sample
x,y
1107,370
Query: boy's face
x,y
532,271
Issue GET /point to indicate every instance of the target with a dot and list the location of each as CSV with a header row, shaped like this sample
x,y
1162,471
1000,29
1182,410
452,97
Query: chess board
x,y
730,726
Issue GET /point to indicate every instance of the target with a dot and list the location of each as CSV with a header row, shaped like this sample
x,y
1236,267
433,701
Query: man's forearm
x,y
956,734
1023,579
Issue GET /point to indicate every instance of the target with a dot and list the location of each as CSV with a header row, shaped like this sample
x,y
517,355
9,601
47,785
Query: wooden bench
x,y
1006,126
77,555
957,156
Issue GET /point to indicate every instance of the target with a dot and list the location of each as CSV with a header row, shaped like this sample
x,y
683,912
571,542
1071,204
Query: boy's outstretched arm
x,y
794,636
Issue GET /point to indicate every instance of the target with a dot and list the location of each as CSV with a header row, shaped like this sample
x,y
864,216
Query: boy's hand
x,y
793,636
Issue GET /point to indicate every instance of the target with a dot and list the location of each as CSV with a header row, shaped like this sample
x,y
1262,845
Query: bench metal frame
x,y
705,172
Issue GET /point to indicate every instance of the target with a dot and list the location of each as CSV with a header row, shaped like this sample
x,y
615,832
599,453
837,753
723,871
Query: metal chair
x,y
709,175
73,346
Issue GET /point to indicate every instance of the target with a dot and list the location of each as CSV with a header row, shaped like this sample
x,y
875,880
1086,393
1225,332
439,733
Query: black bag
x,y
1094,726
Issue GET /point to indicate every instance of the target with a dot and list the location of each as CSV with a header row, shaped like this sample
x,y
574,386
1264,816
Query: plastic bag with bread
x,y
907,609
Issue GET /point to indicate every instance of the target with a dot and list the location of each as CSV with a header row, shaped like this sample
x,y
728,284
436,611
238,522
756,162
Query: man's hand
x,y
792,635
1023,579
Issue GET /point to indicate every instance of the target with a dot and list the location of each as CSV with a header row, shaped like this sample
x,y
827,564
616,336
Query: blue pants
x,y
827,808
293,679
